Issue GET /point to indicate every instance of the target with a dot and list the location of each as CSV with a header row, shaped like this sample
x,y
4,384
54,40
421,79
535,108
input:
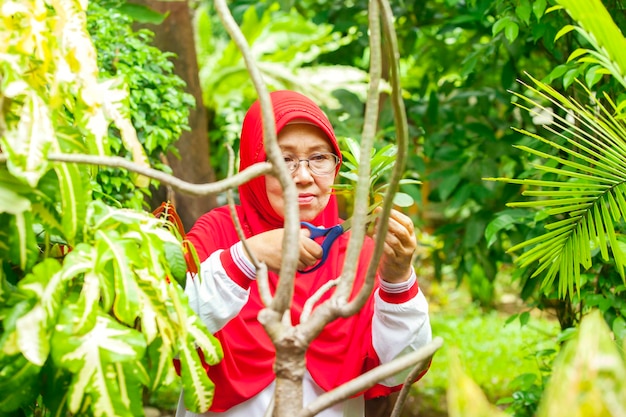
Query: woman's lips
x,y
305,199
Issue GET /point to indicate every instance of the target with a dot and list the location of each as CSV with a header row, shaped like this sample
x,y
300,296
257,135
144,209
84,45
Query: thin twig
x,y
335,306
284,290
369,132
406,387
371,378
233,210
217,187
261,268
308,306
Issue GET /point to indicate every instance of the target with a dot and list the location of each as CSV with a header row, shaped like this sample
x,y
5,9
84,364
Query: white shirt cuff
x,y
237,252
398,287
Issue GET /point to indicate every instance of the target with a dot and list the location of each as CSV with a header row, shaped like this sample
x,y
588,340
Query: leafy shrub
x,y
88,315
159,106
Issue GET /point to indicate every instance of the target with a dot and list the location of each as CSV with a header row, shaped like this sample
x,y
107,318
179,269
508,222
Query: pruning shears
x,y
330,235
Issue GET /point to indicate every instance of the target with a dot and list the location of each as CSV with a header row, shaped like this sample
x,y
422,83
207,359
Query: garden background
x,y
483,132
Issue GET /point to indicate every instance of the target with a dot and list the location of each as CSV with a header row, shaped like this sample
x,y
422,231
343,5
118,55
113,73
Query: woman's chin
x,y
308,214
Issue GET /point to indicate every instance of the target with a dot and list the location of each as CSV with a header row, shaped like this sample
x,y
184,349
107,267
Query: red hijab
x,y
343,350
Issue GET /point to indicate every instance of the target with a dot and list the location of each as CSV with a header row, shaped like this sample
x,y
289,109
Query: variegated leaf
x,y
11,202
116,108
197,387
92,357
153,303
161,368
33,328
23,250
203,339
28,143
77,47
73,204
126,302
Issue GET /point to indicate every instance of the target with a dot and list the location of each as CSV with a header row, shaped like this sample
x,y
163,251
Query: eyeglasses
x,y
319,163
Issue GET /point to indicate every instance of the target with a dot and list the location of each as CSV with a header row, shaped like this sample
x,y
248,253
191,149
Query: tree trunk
x,y
176,35
289,367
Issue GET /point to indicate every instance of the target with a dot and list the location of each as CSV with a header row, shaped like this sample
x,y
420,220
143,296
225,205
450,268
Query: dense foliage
x,y
158,104
461,61
88,316
84,295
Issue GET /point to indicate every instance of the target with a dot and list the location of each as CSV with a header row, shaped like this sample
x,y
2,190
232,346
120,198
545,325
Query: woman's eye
x,y
318,157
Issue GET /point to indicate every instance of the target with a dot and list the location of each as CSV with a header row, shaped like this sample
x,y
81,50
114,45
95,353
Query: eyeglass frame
x,y
298,161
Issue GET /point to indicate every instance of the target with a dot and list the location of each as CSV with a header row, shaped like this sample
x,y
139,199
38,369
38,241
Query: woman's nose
x,y
302,173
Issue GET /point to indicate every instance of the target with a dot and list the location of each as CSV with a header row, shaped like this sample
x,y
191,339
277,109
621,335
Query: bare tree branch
x,y
289,364
244,176
417,358
401,125
261,268
284,290
369,132
308,306
406,387
334,307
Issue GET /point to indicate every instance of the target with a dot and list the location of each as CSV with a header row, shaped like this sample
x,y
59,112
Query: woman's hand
x,y
267,247
400,245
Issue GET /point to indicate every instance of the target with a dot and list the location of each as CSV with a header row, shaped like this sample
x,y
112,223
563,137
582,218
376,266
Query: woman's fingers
x,y
399,247
310,251
267,247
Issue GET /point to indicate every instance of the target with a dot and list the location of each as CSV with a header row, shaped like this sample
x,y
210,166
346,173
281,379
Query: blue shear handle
x,y
331,234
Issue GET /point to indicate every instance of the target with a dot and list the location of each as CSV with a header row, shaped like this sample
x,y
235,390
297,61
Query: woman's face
x,y
301,140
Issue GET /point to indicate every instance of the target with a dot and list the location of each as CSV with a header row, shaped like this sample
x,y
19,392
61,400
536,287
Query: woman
x,y
394,319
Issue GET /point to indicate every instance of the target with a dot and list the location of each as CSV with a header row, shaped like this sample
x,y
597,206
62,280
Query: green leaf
x,y
593,75
448,184
73,204
565,30
619,329
570,76
523,11
539,6
403,200
19,382
502,222
22,244
553,8
353,151
577,53
500,25
511,318
11,202
34,326
511,31
604,34
126,302
176,261
523,318
94,359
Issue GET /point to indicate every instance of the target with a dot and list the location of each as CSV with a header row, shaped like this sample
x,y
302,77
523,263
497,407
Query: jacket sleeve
x,y
221,288
400,323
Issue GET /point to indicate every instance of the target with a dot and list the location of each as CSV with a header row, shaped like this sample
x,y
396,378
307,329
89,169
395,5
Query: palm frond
x,y
583,192
599,29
